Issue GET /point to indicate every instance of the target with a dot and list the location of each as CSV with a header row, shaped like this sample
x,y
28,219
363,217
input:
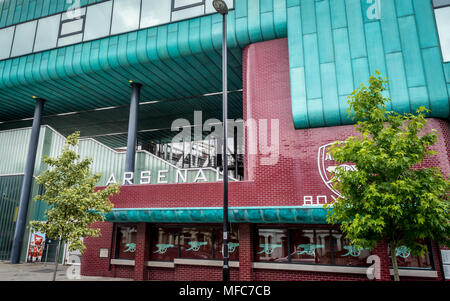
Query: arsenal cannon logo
x,y
327,166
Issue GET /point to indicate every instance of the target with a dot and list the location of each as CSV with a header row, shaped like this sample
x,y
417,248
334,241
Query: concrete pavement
x,y
41,272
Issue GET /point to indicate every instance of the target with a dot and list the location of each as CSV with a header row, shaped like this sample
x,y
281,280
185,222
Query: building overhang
x,y
265,215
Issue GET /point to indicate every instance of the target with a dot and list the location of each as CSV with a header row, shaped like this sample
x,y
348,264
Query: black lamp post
x,y
221,7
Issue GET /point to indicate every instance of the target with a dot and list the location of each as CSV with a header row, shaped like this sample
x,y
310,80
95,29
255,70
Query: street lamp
x,y
221,7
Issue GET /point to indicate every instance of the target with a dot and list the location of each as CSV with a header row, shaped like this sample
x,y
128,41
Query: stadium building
x,y
145,71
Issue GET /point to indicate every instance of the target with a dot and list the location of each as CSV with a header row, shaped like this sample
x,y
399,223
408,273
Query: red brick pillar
x,y
245,252
437,259
381,250
141,256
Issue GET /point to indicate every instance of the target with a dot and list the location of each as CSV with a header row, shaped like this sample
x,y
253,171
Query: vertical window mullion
x,y
430,254
315,242
179,244
213,233
117,243
332,247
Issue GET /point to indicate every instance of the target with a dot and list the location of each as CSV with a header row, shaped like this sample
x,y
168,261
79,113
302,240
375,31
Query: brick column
x,y
141,256
436,259
381,250
245,252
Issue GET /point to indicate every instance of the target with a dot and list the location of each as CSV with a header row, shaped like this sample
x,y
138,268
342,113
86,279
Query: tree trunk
x,y
393,249
57,259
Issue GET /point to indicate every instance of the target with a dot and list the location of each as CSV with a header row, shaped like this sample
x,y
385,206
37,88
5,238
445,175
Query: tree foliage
x,y
74,205
390,196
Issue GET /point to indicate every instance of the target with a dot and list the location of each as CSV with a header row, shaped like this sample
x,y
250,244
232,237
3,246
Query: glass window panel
x,y
346,254
311,247
210,8
272,245
406,260
24,38
72,26
164,244
155,12
47,33
125,16
196,243
126,242
70,40
188,13
6,37
233,245
98,21
439,3
443,26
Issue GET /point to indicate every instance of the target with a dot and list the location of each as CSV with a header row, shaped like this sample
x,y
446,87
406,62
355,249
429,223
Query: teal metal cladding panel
x,y
334,46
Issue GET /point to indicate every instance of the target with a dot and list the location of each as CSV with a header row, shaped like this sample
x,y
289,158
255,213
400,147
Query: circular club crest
x,y
327,166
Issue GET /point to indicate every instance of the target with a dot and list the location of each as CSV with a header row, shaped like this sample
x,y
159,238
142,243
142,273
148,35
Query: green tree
x,y
389,196
73,203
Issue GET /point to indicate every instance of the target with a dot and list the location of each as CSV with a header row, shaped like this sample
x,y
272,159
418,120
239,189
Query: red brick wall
x,y
286,183
161,274
246,252
91,263
272,275
202,273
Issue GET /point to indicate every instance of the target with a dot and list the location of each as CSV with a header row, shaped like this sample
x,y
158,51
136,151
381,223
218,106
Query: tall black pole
x,y
235,141
132,127
27,182
226,268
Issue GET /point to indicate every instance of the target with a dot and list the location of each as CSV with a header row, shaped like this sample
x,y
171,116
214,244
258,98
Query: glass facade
x,y
322,246
406,260
164,244
201,154
98,18
307,246
345,253
272,245
311,246
442,14
125,241
196,243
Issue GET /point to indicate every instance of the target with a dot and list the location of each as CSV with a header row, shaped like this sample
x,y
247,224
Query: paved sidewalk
x,y
41,272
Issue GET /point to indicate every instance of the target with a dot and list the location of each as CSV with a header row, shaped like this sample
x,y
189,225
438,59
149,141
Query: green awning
x,y
269,215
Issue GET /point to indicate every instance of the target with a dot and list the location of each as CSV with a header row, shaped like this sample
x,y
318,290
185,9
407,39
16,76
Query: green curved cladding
x,y
266,215
172,61
334,47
